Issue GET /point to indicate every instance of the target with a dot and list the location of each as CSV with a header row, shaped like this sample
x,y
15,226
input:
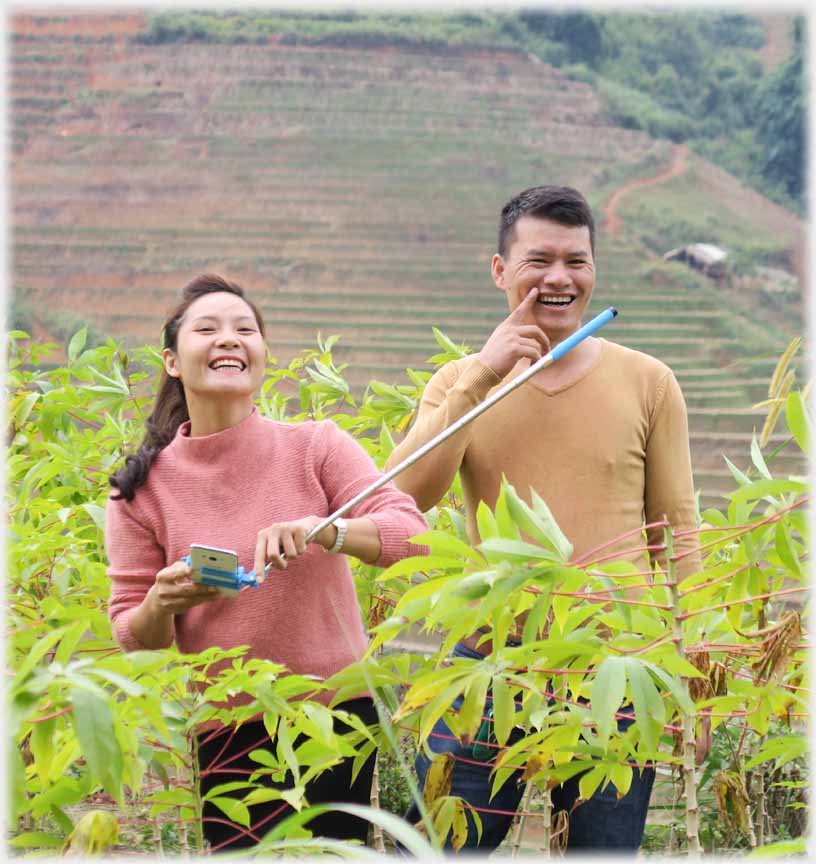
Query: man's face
x,y
556,259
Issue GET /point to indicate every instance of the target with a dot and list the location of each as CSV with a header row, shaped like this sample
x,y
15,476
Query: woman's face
x,y
219,349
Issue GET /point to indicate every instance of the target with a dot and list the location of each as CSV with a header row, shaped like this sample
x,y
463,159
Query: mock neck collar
x,y
218,443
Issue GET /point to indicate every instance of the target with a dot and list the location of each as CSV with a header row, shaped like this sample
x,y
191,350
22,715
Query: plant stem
x,y
198,804
689,748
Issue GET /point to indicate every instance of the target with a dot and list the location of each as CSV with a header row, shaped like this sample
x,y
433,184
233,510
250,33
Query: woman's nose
x,y
227,337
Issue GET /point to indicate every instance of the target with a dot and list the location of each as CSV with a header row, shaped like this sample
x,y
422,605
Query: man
x,y
601,435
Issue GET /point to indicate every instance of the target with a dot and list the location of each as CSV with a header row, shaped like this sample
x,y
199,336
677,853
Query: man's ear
x,y
497,267
170,363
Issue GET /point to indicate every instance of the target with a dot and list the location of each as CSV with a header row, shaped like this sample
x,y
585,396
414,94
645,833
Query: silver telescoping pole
x,y
547,360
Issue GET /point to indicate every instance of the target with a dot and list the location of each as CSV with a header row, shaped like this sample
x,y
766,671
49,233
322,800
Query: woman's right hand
x,y
175,592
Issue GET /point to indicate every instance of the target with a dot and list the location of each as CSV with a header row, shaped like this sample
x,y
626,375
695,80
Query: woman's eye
x,y
247,330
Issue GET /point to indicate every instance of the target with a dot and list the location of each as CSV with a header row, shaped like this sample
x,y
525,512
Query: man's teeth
x,y
555,301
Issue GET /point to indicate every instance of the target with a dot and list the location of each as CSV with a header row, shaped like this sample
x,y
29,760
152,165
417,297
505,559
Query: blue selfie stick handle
x,y
579,335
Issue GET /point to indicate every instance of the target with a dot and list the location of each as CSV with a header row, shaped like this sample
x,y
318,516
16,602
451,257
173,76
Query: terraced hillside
x,y
355,192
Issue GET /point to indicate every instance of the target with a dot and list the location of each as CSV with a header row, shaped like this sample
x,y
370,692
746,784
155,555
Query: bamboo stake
x,y
525,806
376,830
548,814
689,746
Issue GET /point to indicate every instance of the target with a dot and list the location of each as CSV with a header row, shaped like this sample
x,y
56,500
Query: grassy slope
x,y
356,192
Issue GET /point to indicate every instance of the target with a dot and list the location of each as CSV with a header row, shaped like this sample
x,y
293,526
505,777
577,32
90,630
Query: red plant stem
x,y
733,646
744,530
577,562
656,547
738,674
714,581
52,716
686,615
592,596
216,767
647,574
240,831
653,644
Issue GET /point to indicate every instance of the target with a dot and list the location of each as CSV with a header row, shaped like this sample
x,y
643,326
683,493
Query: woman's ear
x,y
171,363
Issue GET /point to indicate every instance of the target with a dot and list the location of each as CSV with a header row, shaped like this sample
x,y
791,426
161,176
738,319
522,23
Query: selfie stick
x,y
547,360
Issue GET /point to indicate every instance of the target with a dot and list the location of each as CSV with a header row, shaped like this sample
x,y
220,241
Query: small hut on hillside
x,y
705,257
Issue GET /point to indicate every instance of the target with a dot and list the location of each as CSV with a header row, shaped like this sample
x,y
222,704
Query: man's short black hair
x,y
561,204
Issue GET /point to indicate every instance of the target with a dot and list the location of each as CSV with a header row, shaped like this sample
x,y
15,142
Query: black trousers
x,y
333,785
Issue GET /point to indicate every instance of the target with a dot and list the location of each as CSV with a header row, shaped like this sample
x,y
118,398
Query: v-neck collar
x,y
554,391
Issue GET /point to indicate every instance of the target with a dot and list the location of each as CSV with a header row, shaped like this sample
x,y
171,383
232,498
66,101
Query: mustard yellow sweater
x,y
607,452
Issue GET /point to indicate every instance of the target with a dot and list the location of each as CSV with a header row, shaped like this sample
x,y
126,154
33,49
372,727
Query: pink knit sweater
x,y
220,490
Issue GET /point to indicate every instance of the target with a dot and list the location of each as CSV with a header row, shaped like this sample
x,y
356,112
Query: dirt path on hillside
x,y
612,222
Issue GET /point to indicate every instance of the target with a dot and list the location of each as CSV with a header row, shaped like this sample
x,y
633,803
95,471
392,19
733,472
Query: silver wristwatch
x,y
342,526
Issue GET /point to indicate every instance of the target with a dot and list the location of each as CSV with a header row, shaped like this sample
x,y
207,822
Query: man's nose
x,y
557,274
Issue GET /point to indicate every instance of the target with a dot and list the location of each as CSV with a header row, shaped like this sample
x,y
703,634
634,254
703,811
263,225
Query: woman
x,y
212,471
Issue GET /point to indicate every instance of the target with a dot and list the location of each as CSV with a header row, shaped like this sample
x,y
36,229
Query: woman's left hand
x,y
284,541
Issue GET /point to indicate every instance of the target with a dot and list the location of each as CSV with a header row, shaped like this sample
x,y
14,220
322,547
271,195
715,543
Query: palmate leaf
x,y
649,708
608,691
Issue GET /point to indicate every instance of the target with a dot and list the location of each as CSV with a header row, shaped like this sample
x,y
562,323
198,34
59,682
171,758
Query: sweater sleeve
x,y
346,470
134,559
449,395
669,479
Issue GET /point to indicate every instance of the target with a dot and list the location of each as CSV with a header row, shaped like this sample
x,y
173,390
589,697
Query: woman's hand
x,y
285,541
174,591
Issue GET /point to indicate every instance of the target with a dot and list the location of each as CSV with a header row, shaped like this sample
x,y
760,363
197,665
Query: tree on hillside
x,y
780,133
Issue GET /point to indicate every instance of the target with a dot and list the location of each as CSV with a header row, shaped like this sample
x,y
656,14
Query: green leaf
x,y
649,708
758,459
223,788
516,550
447,545
36,840
608,691
235,810
43,646
95,730
742,479
767,488
590,781
470,714
397,827
797,418
96,513
504,709
559,539
76,344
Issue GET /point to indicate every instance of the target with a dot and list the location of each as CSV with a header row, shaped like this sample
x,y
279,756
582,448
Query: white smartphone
x,y
213,566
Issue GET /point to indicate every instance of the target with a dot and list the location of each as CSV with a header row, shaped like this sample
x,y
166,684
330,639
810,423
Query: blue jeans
x,y
602,822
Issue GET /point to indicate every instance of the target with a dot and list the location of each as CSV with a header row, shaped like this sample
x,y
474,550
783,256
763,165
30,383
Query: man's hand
x,y
516,338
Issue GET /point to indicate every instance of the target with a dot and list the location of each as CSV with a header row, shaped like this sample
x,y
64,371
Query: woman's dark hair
x,y
170,407
559,203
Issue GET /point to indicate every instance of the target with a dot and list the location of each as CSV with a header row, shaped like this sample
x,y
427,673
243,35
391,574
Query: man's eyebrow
x,y
543,253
